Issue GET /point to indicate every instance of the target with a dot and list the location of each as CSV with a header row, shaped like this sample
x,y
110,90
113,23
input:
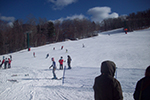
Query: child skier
x,y
61,63
54,68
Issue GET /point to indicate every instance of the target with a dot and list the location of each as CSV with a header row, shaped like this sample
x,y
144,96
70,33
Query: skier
x,y
33,54
47,56
69,62
83,45
66,50
11,57
62,47
125,30
3,57
2,62
9,62
142,89
54,68
61,63
106,87
6,63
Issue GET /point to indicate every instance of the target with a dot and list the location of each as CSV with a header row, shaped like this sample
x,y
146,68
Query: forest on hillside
x,y
41,31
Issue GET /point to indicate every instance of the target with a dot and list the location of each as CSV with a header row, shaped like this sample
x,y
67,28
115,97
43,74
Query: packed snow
x,y
30,77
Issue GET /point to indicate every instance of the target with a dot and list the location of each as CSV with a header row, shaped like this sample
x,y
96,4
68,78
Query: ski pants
x,y
61,66
9,65
1,65
54,72
69,66
5,64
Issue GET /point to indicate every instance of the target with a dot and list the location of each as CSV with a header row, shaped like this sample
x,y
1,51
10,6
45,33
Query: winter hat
x,y
52,59
3,57
6,59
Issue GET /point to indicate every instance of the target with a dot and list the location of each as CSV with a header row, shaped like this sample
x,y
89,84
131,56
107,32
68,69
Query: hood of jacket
x,y
108,68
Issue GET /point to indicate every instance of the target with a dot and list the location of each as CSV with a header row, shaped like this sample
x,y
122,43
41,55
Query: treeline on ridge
x,y
14,38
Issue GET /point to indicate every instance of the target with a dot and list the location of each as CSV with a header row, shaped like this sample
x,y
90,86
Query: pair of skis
x,y
62,77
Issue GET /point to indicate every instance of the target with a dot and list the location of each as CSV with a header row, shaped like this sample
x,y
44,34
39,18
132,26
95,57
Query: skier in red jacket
x,y
9,62
61,62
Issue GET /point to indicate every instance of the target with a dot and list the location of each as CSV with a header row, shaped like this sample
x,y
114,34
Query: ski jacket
x,y
61,61
69,60
9,60
3,61
142,91
54,65
106,87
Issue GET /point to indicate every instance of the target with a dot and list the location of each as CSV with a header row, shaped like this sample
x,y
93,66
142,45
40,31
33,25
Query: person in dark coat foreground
x,y
106,87
142,90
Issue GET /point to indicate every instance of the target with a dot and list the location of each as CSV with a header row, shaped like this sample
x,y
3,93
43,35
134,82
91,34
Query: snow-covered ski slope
x,y
30,78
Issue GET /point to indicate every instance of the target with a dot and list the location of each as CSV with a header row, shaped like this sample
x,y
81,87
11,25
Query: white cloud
x,y
7,18
76,17
59,4
81,16
100,13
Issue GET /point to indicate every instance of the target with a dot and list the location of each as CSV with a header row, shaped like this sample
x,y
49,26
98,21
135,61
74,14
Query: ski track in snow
x,y
129,51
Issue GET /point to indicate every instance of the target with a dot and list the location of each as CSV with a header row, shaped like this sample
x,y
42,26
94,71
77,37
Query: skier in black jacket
x,y
69,62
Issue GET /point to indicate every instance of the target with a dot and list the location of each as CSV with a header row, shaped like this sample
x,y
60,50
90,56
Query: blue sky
x,y
95,10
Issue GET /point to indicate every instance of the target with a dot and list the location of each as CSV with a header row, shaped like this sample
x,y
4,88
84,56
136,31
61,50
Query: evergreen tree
x,y
50,29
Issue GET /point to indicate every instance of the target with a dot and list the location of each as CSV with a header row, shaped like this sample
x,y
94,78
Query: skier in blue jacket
x,y
54,68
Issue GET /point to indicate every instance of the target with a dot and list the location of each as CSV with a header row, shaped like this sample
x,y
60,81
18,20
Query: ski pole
x,y
63,75
116,73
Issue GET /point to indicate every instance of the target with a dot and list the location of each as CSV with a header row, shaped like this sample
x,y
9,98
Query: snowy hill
x,y
30,77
